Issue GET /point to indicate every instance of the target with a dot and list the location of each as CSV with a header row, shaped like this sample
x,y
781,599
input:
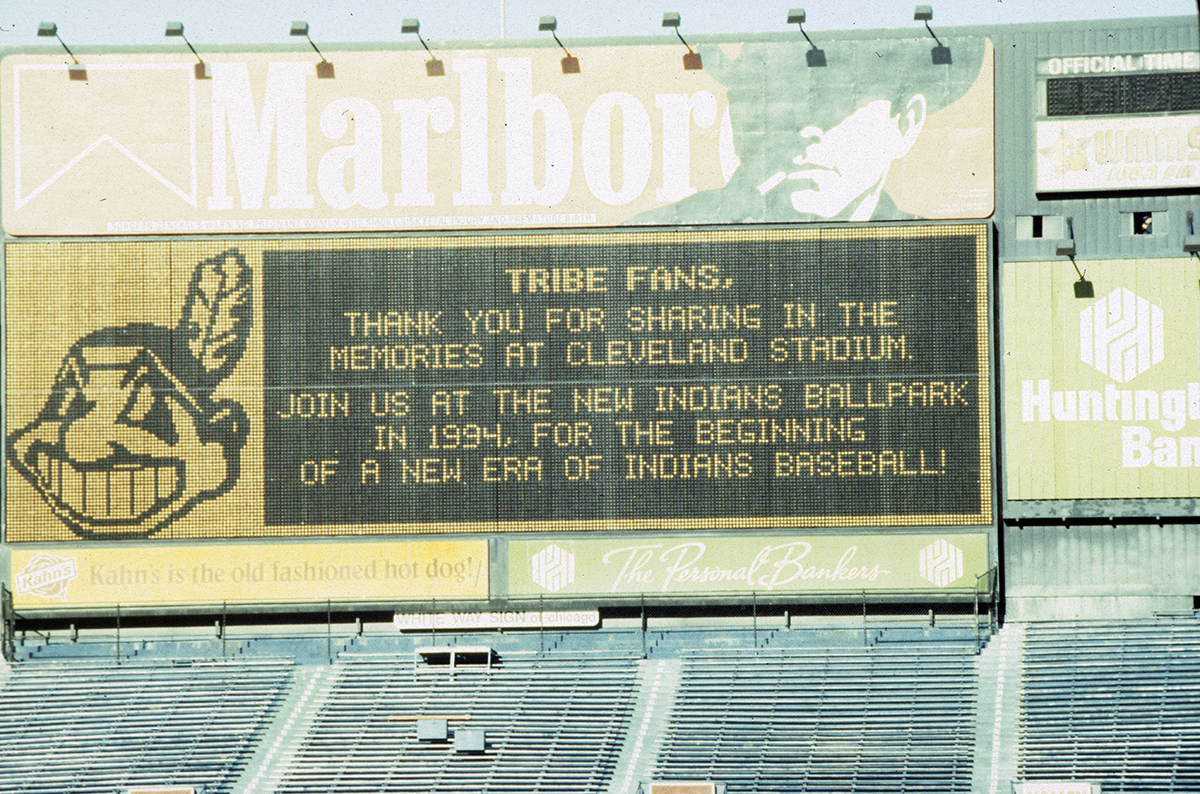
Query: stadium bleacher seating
x,y
1117,703
552,724
837,720
823,709
88,726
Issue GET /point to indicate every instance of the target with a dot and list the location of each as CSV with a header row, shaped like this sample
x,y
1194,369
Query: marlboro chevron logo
x,y
1121,335
46,575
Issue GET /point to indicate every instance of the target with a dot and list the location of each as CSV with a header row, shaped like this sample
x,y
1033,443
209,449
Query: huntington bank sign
x,y
1126,401
1121,335
501,139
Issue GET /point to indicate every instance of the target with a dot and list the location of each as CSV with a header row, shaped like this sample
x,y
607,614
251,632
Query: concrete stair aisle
x,y
1000,668
307,695
655,700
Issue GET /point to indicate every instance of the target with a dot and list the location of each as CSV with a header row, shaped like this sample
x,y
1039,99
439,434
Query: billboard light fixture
x,y
570,64
202,71
691,61
324,68
433,67
76,71
1191,241
1066,247
815,56
941,53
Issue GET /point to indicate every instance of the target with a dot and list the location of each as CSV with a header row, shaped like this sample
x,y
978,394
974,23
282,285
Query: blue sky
x,y
232,22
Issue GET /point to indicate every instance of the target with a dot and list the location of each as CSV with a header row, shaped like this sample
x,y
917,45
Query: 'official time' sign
x,y
736,379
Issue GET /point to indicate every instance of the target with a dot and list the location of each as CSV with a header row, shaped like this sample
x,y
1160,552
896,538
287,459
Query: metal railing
x,y
9,617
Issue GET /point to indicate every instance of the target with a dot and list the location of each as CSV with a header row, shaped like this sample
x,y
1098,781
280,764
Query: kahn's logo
x,y
132,436
46,575
1121,335
553,568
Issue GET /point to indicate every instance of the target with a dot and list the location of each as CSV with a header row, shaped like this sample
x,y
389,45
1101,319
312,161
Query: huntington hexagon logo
x,y
1121,335
553,568
941,563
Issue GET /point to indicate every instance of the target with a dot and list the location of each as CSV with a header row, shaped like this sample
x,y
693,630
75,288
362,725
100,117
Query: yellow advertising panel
x,y
743,379
710,565
1101,393
97,576
500,139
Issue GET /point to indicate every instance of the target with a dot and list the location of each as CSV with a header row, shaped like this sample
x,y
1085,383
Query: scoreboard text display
x,y
737,379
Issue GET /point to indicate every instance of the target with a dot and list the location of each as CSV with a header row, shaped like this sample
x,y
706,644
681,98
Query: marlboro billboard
x,y
503,139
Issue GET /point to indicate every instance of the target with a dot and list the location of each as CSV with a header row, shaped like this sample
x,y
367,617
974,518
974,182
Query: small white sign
x,y
1056,787
1118,153
470,621
1120,64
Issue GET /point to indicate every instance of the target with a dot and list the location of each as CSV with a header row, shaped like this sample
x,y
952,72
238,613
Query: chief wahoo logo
x,y
131,436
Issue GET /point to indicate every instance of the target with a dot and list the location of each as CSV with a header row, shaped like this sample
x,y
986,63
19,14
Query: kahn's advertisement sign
x,y
502,139
96,576
744,564
1102,394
